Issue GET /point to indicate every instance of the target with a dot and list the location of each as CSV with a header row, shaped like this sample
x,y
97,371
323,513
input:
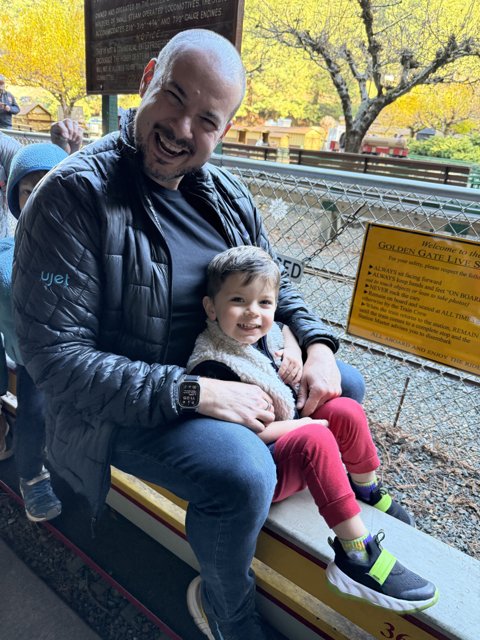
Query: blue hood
x,y
33,157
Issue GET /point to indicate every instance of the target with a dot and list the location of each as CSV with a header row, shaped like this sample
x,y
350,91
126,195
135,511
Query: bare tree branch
x,y
318,48
374,46
387,56
361,78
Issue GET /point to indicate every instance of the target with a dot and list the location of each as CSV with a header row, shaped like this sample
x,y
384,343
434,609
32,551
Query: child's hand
x,y
291,369
301,422
275,430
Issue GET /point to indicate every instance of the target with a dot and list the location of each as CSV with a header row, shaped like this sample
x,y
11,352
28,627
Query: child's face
x,y
26,186
244,311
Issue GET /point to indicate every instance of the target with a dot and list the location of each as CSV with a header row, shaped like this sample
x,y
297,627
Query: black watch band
x,y
188,393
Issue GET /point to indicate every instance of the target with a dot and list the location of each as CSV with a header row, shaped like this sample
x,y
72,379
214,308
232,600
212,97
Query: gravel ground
x,y
105,610
439,487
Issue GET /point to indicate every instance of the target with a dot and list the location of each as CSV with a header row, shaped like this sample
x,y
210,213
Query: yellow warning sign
x,y
419,292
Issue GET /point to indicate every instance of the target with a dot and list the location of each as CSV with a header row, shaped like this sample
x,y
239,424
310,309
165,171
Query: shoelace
x,y
39,494
379,537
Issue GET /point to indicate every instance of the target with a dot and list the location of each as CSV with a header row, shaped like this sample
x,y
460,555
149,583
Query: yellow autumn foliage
x,y
43,45
445,108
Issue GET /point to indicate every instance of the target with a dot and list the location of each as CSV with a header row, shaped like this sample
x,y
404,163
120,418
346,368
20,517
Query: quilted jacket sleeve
x,y
58,295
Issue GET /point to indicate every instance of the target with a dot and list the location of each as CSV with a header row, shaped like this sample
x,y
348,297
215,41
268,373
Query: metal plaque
x,y
121,36
419,292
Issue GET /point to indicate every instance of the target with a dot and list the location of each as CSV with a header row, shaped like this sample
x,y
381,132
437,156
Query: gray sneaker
x,y
250,629
40,501
380,580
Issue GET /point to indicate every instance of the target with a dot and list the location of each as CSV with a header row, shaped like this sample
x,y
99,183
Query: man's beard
x,y
154,170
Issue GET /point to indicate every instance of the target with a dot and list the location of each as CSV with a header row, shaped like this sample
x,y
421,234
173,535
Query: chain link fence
x,y
424,416
321,222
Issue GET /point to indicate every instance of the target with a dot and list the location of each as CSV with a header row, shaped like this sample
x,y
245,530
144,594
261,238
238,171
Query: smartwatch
x,y
188,394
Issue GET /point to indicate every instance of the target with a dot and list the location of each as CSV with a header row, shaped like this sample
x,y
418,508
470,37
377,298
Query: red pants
x,y
314,456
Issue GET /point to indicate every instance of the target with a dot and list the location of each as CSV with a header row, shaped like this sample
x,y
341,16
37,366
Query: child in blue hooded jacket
x,y
28,167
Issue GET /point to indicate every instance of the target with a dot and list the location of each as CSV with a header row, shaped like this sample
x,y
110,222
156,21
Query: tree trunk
x,y
366,115
353,141
66,109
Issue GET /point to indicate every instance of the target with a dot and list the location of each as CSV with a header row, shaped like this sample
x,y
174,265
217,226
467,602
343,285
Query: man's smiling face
x,y
183,116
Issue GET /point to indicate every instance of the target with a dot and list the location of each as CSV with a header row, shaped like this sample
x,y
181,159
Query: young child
x,y
28,166
239,344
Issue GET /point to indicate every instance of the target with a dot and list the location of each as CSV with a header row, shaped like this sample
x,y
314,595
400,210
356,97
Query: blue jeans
x,y
29,430
353,384
228,476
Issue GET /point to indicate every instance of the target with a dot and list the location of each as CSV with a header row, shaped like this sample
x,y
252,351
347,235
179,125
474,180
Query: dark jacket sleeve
x,y
58,297
14,108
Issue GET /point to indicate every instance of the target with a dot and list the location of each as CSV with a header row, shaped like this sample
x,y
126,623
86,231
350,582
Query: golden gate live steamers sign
x,y
122,36
419,292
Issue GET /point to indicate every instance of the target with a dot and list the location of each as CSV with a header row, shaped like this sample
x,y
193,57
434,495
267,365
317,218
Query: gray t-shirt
x,y
193,241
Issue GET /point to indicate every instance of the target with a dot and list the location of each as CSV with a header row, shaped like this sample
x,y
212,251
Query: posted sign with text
x,y
121,36
419,292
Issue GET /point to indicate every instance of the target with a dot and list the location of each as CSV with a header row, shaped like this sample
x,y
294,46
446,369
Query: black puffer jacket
x,y
92,298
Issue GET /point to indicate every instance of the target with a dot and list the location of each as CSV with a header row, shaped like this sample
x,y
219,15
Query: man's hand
x,y
236,402
67,134
320,381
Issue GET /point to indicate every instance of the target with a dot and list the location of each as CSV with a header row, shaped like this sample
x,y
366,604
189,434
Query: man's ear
x,y
147,76
209,308
226,130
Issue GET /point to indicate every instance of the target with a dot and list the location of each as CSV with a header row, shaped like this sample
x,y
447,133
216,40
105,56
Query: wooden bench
x,y
291,557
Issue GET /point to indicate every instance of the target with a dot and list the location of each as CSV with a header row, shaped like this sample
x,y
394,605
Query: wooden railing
x,y
439,172
405,168
250,151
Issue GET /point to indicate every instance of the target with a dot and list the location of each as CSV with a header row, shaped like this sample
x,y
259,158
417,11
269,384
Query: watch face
x,y
189,395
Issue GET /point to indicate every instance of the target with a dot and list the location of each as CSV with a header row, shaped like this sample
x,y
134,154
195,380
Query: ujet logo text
x,y
49,278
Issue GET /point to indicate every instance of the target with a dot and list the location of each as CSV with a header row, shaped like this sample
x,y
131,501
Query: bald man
x,y
111,254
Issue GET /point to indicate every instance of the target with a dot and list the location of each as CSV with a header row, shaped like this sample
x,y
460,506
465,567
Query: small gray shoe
x,y
40,501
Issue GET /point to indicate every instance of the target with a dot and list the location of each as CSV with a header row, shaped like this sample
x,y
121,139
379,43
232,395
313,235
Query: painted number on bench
x,y
390,633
